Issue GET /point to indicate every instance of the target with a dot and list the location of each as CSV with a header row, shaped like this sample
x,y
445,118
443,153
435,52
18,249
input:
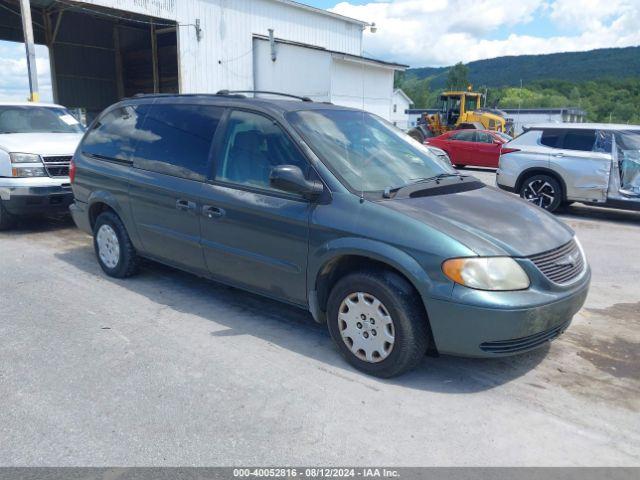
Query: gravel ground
x,y
169,369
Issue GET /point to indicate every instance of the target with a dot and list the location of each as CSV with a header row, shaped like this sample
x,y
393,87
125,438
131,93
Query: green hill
x,y
614,63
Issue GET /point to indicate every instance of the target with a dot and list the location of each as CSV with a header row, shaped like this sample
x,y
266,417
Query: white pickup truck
x,y
37,141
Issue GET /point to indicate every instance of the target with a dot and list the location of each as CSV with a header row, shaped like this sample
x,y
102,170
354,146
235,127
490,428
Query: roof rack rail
x,y
266,92
139,95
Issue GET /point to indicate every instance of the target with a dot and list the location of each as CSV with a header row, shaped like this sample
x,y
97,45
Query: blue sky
x,y
435,32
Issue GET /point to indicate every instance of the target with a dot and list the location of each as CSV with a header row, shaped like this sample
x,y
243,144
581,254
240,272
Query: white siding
x,y
360,85
323,76
223,58
399,118
297,70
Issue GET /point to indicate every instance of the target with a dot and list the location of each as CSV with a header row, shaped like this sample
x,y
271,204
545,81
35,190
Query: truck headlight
x,y
28,172
25,158
487,273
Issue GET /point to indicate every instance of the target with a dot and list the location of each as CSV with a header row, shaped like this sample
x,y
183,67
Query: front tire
x,y
543,191
116,254
377,321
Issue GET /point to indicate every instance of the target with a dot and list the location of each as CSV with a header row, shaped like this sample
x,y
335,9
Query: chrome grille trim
x,y
57,165
551,264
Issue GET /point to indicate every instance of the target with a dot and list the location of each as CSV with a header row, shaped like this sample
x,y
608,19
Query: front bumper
x,y
26,196
526,321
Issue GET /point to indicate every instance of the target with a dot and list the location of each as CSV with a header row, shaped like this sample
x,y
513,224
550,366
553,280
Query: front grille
x,y
57,166
562,264
516,345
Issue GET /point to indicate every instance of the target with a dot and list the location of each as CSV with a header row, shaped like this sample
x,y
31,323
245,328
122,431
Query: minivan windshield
x,y
366,152
37,119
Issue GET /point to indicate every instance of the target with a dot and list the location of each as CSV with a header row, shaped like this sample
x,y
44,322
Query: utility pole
x,y
27,29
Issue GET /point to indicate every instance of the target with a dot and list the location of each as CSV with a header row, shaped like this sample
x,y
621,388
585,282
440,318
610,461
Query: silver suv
x,y
557,164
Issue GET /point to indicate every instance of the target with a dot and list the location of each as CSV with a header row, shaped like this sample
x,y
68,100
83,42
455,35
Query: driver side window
x,y
252,146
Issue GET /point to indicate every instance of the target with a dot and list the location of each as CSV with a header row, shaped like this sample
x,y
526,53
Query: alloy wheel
x,y
539,192
366,327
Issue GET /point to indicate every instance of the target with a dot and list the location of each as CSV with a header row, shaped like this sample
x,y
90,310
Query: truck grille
x,y
57,166
562,264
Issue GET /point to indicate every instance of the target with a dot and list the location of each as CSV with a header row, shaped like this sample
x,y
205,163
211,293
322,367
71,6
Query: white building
x,y
103,50
400,104
529,116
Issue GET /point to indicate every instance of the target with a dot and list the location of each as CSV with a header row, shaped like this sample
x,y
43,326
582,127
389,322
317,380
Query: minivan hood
x,y
41,143
487,221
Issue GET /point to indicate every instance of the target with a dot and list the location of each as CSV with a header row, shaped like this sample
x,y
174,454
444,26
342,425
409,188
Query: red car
x,y
478,148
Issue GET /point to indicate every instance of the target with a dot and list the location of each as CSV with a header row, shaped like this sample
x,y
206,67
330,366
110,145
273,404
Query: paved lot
x,y
169,369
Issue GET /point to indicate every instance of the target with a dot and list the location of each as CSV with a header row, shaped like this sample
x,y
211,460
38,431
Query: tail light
x,y
504,151
72,170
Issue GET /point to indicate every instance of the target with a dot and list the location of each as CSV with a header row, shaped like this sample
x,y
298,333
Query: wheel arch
x,y
100,201
345,255
529,172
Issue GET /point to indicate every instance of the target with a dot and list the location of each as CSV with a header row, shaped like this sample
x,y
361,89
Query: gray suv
x,y
333,210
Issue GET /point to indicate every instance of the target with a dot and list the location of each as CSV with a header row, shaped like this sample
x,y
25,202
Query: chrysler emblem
x,y
569,260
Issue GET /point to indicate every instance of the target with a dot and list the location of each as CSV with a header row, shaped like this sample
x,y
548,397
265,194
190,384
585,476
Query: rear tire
x,y
116,254
6,219
378,323
543,191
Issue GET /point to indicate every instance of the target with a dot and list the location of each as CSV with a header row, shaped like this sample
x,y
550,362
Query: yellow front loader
x,y
460,109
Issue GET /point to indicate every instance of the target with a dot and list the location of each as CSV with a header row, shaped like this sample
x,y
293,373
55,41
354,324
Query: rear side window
x,y
177,139
551,138
114,136
582,140
464,136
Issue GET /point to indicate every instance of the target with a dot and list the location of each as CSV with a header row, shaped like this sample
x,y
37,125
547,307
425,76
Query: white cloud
x,y
443,32
14,81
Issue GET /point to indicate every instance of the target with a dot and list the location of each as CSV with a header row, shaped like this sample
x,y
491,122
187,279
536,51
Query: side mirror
x,y
291,179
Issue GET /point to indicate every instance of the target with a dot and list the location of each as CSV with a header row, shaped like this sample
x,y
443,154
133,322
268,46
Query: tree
x,y
458,77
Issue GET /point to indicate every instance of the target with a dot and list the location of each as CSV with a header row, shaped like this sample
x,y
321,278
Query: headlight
x,y
24,158
488,273
28,172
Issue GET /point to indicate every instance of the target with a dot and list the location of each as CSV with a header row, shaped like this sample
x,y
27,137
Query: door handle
x,y
186,206
558,155
210,211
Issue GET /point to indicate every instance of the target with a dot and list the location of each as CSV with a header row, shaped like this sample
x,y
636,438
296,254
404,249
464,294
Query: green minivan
x,y
331,209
